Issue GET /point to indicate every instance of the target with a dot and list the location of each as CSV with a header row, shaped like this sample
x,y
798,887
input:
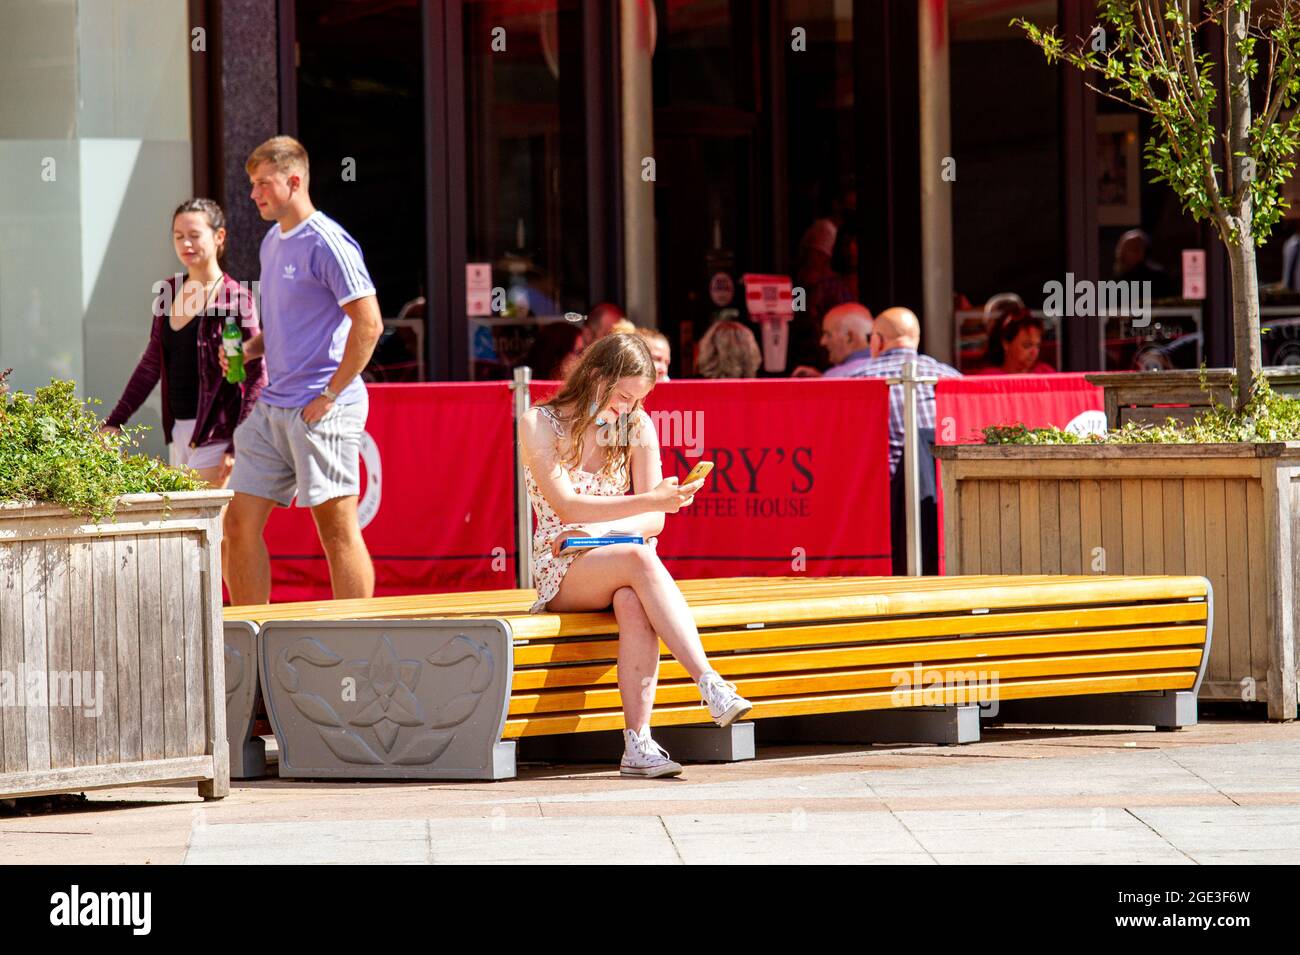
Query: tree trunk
x,y
1245,314
1240,172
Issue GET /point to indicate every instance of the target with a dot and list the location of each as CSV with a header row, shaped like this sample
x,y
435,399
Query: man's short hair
x,y
284,152
653,335
602,309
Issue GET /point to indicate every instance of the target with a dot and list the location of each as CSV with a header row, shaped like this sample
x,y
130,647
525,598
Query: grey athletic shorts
x,y
278,454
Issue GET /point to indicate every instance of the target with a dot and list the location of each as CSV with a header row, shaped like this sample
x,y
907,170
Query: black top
x,y
181,353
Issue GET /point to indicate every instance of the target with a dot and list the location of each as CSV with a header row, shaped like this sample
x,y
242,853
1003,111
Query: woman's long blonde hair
x,y
602,364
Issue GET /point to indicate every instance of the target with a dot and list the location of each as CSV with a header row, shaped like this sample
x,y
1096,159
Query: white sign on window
x,y
478,288
1194,273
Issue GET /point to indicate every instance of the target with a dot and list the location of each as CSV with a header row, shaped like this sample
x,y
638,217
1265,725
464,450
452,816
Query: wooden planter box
x,y
132,607
1225,511
1152,397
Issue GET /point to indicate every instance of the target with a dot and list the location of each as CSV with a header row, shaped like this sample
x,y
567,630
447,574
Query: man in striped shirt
x,y
894,341
320,324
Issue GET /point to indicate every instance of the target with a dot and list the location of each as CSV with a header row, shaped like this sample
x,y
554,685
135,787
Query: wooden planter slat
x,y
58,623
1257,572
173,647
127,656
136,604
105,617
34,650
188,769
82,611
1228,512
1171,505
195,703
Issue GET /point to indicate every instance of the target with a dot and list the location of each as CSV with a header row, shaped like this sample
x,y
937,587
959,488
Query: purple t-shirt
x,y
308,273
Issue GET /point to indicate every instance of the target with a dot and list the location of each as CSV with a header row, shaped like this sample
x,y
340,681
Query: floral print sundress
x,y
548,569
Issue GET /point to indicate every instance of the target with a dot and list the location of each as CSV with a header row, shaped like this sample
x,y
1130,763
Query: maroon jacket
x,y
221,405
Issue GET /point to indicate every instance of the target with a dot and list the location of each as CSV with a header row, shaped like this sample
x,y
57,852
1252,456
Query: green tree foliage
x,y
1227,162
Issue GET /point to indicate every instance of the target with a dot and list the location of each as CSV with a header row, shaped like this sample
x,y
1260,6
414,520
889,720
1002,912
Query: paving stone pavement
x,y
1216,793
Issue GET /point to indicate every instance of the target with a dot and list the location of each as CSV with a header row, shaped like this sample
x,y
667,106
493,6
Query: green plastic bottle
x,y
232,340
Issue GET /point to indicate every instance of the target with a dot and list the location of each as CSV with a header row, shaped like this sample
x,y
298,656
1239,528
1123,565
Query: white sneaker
x,y
642,756
725,704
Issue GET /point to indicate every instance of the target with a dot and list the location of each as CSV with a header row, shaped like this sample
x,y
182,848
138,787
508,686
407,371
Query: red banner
x,y
437,498
800,485
964,406
800,481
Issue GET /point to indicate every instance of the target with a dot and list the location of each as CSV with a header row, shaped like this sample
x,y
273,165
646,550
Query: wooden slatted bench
x,y
468,674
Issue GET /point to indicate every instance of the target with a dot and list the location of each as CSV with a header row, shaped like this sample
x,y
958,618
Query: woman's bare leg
x,y
594,577
638,659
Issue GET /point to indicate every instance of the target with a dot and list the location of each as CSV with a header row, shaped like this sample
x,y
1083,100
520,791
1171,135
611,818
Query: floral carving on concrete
x,y
386,693
387,702
234,672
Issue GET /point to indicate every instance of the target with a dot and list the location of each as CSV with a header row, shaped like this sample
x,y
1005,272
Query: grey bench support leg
x,y
247,752
942,725
249,761
697,744
389,699
1166,709
708,744
503,760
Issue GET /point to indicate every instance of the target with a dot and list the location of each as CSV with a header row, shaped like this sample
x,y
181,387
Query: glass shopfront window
x,y
526,171
360,110
95,153
1278,260
822,191
41,217
1141,234
705,102
1006,137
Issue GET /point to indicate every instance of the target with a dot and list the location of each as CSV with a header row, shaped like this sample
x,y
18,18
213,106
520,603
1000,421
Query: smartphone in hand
x,y
698,473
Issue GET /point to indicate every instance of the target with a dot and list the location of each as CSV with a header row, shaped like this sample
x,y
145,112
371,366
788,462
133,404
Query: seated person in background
x,y
623,326
728,350
841,285
1132,264
838,287
660,350
818,242
1015,339
846,336
1002,305
555,351
894,341
601,319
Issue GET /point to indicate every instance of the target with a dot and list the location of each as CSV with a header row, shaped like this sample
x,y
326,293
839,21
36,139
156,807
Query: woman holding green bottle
x,y
192,311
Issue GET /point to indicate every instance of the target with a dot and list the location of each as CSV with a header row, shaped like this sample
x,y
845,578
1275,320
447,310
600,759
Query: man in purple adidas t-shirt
x,y
320,323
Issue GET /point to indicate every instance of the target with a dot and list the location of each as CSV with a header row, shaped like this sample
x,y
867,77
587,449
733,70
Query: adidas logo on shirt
x,y
288,271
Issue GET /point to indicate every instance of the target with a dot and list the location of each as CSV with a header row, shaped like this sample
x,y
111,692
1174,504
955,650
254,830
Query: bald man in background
x,y
846,336
895,337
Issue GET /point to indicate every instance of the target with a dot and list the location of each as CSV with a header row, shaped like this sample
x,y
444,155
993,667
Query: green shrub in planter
x,y
1268,416
52,451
